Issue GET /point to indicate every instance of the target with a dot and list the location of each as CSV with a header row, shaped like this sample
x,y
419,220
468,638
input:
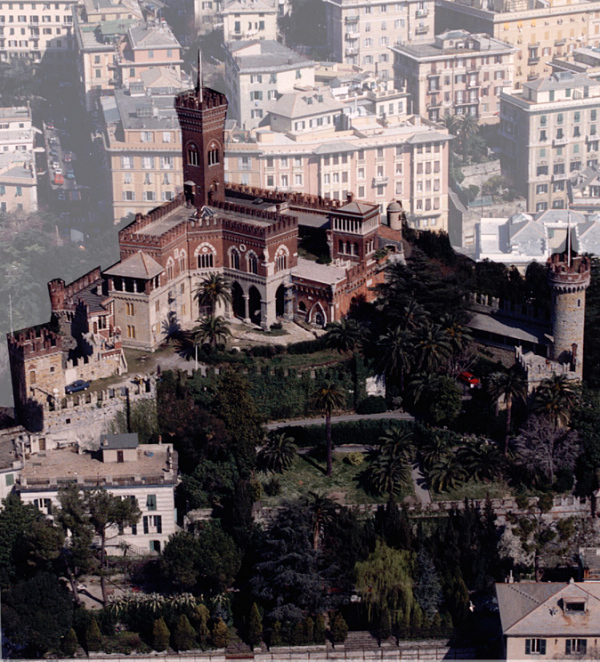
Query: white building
x,y
146,473
244,20
257,72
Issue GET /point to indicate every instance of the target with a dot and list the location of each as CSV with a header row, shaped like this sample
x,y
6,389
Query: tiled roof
x,y
139,265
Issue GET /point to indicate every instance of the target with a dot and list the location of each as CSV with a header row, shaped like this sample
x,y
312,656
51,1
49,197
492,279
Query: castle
x,y
249,235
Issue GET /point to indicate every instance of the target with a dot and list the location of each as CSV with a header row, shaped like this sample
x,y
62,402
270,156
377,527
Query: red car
x,y
469,379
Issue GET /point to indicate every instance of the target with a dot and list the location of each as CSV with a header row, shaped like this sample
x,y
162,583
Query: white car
x,y
58,171
55,165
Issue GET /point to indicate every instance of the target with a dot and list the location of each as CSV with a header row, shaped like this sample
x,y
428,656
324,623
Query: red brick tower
x,y
202,114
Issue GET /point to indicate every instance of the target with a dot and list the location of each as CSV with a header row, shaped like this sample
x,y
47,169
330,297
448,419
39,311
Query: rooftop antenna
x,y
11,333
200,81
569,239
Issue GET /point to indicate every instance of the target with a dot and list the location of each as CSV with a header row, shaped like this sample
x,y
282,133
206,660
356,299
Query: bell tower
x,y
201,113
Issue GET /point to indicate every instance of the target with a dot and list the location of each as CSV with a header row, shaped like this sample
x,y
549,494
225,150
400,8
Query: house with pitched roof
x,y
549,620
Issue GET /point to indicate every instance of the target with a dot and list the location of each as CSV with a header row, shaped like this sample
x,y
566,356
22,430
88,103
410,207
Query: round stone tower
x,y
394,216
569,277
56,288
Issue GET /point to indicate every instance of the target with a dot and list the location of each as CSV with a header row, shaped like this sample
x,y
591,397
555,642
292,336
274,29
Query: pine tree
x,y
220,634
160,635
70,643
255,627
339,629
184,636
93,638
309,629
201,622
275,638
320,629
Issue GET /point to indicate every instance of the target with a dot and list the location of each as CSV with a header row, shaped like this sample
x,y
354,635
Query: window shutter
x,y
542,647
568,647
527,646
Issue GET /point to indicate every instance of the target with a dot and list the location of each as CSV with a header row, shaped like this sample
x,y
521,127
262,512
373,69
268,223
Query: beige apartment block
x,y
95,11
257,72
540,30
245,20
207,15
360,32
17,134
142,142
550,132
406,160
18,183
38,30
457,74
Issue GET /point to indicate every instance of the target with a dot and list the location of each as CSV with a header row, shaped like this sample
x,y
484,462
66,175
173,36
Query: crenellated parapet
x,y
129,233
34,342
315,203
569,275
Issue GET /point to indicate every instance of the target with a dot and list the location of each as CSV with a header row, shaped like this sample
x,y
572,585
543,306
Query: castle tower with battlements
x,y
569,277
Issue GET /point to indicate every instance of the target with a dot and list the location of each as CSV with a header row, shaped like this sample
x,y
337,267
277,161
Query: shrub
x,y
338,629
255,488
70,643
220,634
307,346
275,634
354,459
276,326
160,635
255,628
201,623
273,487
184,636
320,630
373,404
93,638
309,628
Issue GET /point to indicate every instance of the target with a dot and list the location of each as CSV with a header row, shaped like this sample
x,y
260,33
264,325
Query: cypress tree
x,y
275,638
339,629
184,635
385,623
320,629
220,634
416,622
93,638
309,629
255,626
201,621
160,635
70,644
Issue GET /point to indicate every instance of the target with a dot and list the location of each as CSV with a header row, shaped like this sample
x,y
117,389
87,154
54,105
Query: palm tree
x,y
328,398
388,472
508,386
468,127
278,453
554,400
452,123
447,474
214,330
458,334
393,355
171,327
323,511
432,347
344,336
481,459
212,290
434,450
412,316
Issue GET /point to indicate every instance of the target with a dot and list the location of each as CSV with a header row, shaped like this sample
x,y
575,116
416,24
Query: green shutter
x,y
542,647
568,647
527,646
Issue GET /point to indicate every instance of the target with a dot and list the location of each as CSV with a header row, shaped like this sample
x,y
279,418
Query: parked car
x,y
62,195
59,180
70,174
54,165
58,171
469,379
68,157
76,386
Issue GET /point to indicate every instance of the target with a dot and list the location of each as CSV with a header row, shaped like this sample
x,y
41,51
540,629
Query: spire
x,y
569,239
200,83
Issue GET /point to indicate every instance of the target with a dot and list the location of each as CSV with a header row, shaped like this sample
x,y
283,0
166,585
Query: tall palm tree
x,y
278,453
554,399
508,386
393,355
458,334
212,290
468,127
344,335
452,123
411,316
432,347
327,399
323,511
214,330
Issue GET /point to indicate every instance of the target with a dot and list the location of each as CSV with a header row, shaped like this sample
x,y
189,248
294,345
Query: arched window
x,y
234,259
348,248
252,263
182,262
355,248
205,261
170,265
193,156
32,376
341,246
213,156
281,262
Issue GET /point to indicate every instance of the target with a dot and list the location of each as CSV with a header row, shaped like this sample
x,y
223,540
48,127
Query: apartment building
x,y
38,30
245,20
142,143
207,15
257,72
314,151
18,179
96,11
360,32
539,30
550,132
458,73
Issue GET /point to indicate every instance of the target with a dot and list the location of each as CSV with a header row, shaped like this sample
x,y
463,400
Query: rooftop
x,y
113,442
266,55
455,42
318,273
249,6
156,111
562,80
303,104
18,113
139,265
147,37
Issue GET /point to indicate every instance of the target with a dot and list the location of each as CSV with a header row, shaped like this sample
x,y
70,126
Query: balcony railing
x,y
353,18
422,13
559,142
533,60
424,29
380,181
351,51
351,36
559,177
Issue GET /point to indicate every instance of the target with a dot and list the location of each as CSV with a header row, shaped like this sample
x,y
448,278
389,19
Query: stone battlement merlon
x,y
34,341
314,203
576,273
143,220
191,99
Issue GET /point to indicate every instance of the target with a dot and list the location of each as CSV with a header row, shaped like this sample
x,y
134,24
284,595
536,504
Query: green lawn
x,y
308,475
473,489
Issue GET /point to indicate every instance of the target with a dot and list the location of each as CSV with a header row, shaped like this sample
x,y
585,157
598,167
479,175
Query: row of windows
x,y
572,646
148,196
18,190
148,162
560,117
148,137
46,6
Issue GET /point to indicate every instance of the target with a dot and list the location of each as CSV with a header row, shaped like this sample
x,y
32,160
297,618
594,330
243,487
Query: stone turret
x,y
394,216
569,277
56,288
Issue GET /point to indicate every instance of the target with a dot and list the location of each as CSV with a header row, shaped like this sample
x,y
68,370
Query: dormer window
x,y
574,606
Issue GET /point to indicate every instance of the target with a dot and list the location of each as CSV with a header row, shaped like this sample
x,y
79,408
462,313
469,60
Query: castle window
x,y
234,259
341,246
130,309
52,369
182,263
280,260
213,156
192,155
578,303
355,248
252,263
205,261
32,376
131,331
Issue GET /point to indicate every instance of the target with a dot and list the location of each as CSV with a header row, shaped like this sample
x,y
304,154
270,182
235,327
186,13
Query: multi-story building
x,y
38,30
313,147
459,73
550,131
146,474
142,143
361,31
257,72
245,20
539,30
207,15
18,179
96,11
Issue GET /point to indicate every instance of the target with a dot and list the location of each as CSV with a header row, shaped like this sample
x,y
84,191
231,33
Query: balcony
x,y
559,142
424,29
353,50
560,42
592,137
472,83
533,61
422,13
380,181
351,36
560,177
353,18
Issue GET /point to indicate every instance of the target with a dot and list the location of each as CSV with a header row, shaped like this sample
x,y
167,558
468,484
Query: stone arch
x,y
237,300
192,153
280,301
205,256
317,315
254,305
